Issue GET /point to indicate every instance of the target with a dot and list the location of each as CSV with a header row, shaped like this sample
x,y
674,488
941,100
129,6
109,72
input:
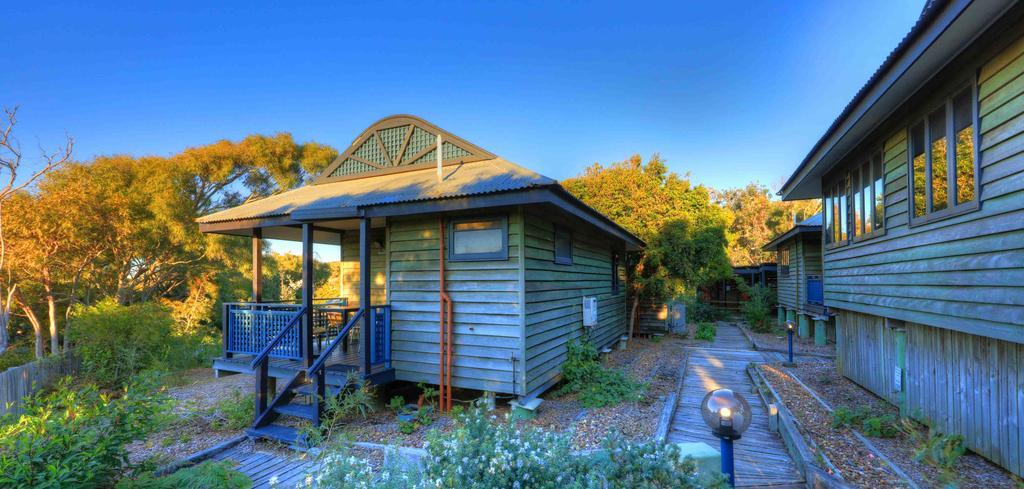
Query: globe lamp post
x,y
790,327
728,415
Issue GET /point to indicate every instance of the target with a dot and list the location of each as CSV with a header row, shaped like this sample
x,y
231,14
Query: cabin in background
x,y
800,289
726,293
922,182
460,269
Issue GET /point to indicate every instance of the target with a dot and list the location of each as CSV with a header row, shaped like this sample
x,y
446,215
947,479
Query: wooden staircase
x,y
302,397
298,401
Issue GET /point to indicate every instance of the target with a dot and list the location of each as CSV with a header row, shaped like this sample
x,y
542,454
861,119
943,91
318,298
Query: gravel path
x,y
972,470
192,427
855,462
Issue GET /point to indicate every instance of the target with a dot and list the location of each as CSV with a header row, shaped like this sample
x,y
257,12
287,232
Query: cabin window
x,y
868,187
943,160
836,226
478,239
784,262
854,206
563,246
615,273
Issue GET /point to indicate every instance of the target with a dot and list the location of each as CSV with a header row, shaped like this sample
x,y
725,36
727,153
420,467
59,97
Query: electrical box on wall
x,y
590,311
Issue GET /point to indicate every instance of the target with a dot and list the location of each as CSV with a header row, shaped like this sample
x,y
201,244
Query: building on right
x,y
922,182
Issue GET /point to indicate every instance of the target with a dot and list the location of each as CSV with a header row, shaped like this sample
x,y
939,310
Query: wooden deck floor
x,y
261,466
761,458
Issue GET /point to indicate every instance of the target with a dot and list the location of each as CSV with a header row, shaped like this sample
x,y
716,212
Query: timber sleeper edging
x,y
200,456
804,451
671,403
856,433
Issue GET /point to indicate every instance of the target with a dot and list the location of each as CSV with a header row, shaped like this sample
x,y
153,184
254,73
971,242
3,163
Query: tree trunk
x,y
51,313
632,314
37,328
5,320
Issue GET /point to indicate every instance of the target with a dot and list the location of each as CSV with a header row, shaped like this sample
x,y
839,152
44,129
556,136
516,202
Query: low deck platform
x,y
338,367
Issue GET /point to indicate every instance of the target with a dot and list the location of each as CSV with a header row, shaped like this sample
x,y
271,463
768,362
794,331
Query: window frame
x,y
868,164
561,231
616,282
952,208
502,224
784,268
839,198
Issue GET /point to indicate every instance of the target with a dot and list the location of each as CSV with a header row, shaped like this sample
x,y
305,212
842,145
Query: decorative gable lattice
x,y
397,143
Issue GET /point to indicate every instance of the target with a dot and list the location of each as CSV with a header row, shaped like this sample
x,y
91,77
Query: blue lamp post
x,y
790,327
728,415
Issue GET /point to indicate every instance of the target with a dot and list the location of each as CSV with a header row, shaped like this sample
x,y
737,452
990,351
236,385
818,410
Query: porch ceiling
x,y
325,232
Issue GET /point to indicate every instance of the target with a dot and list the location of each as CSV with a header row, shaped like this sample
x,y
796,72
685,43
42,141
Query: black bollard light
x,y
728,415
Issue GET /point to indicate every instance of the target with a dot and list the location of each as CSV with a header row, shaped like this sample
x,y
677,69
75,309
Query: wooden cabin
x,y
461,269
800,290
922,182
726,294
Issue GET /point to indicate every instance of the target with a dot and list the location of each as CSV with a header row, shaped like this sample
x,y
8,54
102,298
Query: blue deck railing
x,y
250,327
815,290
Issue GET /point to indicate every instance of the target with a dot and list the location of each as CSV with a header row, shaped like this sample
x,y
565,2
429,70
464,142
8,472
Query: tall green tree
x,y
758,218
684,229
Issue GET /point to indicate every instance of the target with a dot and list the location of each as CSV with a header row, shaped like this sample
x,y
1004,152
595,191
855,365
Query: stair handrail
x,y
321,360
258,359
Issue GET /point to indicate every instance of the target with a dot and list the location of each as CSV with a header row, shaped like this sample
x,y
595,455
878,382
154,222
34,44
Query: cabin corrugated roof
x,y
459,180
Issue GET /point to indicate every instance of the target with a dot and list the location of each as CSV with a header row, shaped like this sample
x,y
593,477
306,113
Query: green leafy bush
x,y
208,475
15,356
358,399
936,449
596,386
705,331
76,438
116,342
843,416
483,452
885,426
235,412
700,312
757,309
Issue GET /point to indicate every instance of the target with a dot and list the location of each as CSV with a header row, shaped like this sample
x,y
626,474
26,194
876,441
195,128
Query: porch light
x,y
728,415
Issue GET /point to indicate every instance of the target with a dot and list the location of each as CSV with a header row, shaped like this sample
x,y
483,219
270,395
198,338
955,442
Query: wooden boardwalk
x,y
261,466
761,458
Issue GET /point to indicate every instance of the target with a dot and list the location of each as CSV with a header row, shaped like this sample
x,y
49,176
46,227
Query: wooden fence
x,y
21,381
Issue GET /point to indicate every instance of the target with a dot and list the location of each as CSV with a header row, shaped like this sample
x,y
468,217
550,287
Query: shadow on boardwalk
x,y
760,456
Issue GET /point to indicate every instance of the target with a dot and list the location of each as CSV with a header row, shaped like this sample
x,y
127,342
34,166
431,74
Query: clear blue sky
x,y
728,91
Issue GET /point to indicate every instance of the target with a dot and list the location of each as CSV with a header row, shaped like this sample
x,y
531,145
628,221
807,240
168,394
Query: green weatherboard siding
x,y
931,316
554,296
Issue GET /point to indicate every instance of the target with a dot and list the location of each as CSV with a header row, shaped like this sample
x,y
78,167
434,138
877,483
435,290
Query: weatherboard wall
x,y
956,284
964,273
554,295
486,302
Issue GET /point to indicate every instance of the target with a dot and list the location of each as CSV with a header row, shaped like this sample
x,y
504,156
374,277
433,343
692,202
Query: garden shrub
x,y
596,386
705,331
235,412
483,452
356,400
757,309
699,312
16,355
116,342
936,449
207,475
885,426
76,438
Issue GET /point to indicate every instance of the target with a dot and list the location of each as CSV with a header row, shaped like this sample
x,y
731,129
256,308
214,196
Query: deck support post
x,y
307,294
900,338
804,326
257,265
820,337
365,281
782,315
